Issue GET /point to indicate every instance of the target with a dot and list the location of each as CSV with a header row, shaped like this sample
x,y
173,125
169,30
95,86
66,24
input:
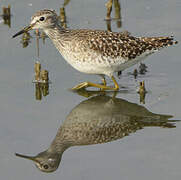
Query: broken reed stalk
x,y
109,9
38,93
65,2
62,15
108,23
41,81
41,89
142,91
44,76
117,9
37,32
9,10
37,71
43,36
142,87
7,15
25,39
45,89
135,73
41,76
6,11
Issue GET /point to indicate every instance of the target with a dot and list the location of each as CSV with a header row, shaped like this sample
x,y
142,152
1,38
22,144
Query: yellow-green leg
x,y
103,80
116,86
103,87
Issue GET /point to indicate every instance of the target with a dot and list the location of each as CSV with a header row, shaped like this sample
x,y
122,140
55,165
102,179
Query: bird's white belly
x,y
93,66
99,65
90,65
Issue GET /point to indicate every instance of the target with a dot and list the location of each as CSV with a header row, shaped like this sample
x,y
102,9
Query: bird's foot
x,y
90,84
82,85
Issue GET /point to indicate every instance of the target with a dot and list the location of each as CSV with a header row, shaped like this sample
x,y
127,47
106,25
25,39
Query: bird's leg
x,y
103,80
116,86
103,87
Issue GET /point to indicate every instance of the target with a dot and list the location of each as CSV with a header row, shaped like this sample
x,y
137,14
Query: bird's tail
x,y
159,42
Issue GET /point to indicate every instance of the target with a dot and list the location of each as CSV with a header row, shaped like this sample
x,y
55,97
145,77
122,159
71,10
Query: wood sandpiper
x,y
96,51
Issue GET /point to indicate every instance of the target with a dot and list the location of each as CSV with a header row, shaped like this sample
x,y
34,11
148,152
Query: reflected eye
x,y
45,166
42,19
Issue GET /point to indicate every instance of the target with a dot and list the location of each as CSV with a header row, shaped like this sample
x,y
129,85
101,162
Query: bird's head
x,y
44,161
42,19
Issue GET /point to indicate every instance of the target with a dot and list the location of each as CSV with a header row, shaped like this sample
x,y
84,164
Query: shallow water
x,y
28,126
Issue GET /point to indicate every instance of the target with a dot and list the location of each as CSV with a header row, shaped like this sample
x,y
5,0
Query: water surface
x,y
28,126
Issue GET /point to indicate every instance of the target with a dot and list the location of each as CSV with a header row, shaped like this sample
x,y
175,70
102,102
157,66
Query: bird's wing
x,y
115,45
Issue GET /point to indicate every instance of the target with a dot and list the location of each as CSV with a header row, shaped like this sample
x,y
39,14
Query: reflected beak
x,y
27,157
25,30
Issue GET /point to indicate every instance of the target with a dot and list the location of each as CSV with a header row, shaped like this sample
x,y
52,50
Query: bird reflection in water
x,y
99,119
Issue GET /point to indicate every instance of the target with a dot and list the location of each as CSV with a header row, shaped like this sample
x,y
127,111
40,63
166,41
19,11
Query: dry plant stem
x,y
109,9
38,93
44,75
7,11
65,2
108,23
142,92
63,17
62,14
117,9
37,71
142,87
37,41
7,15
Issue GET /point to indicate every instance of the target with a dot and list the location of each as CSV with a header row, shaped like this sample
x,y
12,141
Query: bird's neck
x,y
59,144
54,31
56,34
57,148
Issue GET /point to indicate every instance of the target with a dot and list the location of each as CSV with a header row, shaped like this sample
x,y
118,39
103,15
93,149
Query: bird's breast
x,y
92,62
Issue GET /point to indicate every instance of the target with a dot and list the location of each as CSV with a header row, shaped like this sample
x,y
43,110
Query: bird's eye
x,y
45,166
42,19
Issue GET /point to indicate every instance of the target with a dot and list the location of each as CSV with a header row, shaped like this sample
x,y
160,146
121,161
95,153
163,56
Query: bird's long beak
x,y
27,157
24,30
